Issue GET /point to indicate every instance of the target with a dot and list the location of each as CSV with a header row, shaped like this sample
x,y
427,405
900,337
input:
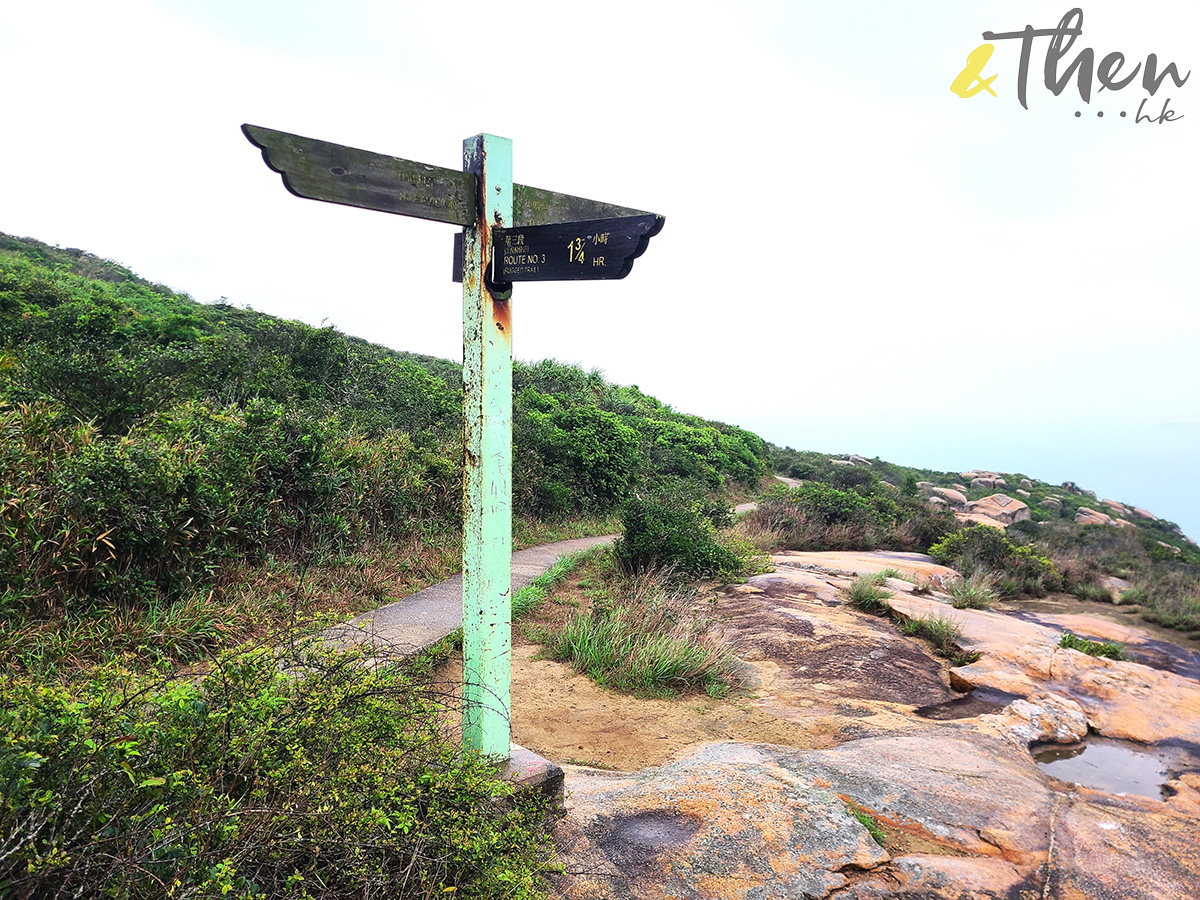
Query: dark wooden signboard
x,y
320,170
599,249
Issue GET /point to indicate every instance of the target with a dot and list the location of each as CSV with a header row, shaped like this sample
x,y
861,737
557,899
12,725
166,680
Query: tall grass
x,y
976,591
645,637
866,594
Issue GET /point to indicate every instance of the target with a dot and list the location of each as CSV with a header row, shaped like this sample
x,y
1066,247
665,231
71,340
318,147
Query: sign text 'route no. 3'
x,y
511,232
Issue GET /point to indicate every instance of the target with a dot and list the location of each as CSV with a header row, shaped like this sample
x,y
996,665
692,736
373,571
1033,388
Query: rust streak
x,y
502,316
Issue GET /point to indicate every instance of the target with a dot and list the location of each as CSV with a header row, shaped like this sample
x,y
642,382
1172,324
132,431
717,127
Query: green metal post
x,y
487,476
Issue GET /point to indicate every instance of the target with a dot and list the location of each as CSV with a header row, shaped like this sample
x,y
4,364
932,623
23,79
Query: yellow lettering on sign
x,y
598,261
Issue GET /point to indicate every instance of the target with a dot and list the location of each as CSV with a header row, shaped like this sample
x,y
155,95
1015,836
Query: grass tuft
x,y
976,591
941,631
867,821
1104,649
866,594
643,635
537,590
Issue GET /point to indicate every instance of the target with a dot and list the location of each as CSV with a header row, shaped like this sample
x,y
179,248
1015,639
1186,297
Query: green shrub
x,y
675,529
252,782
983,548
976,591
1092,648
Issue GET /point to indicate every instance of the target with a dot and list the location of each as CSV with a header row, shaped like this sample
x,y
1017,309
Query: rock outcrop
x,y
1085,516
989,481
1043,718
1002,508
1027,484
1052,503
724,823
950,496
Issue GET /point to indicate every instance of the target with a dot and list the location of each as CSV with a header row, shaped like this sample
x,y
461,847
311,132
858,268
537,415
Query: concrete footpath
x,y
424,618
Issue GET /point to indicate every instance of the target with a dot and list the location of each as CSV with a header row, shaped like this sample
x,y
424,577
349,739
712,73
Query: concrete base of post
x,y
534,775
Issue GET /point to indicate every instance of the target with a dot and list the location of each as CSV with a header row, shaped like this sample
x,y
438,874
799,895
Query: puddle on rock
x,y
1117,767
973,703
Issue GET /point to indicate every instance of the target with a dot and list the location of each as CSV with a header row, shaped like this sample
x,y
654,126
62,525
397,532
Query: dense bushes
x,y
150,441
162,507
983,549
252,783
676,528
863,516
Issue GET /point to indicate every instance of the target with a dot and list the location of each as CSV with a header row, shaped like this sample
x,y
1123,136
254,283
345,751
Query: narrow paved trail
x,y
424,618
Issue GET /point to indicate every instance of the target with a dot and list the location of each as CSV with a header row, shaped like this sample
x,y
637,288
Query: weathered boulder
x,y
859,460
1123,523
1027,484
727,822
1085,516
1071,488
989,481
952,497
840,462
1023,492
1043,718
1144,514
925,486
959,487
1121,699
1119,508
888,485
1001,507
1170,547
1052,503
937,501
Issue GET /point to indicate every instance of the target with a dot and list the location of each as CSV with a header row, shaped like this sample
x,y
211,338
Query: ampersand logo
x,y
964,85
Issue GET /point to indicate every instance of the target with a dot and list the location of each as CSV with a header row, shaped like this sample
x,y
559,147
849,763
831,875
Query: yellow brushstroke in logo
x,y
964,85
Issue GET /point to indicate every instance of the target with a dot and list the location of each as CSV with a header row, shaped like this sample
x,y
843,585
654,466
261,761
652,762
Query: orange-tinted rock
x,y
1121,699
1085,516
1123,847
1143,514
978,519
1001,507
1119,508
922,877
725,823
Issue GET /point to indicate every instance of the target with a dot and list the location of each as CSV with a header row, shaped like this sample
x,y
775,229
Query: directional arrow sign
x,y
319,170
573,251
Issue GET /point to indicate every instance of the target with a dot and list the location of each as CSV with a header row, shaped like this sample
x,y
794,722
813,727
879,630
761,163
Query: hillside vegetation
x,y
843,506
152,444
188,491
185,491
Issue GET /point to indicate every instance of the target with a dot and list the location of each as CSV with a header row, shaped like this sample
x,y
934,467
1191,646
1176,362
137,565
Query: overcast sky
x,y
855,259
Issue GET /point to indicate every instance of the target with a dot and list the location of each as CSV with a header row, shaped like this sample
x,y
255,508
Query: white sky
x,y
854,260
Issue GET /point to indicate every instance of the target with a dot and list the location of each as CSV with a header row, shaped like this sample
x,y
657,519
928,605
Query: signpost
x,y
510,233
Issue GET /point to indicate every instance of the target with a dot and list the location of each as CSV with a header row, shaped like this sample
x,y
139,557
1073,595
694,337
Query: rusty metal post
x,y
487,475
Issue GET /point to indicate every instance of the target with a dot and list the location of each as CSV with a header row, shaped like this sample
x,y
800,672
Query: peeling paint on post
x,y
487,475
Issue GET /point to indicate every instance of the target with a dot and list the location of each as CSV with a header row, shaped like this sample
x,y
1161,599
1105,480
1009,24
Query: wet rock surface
x,y
963,807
